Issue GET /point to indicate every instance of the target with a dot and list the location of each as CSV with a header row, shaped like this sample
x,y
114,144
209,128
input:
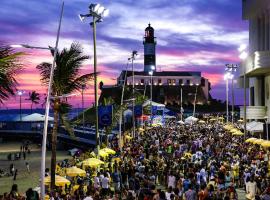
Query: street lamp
x,y
121,103
83,88
232,68
45,127
181,99
195,99
266,126
20,93
151,93
97,13
227,76
243,55
134,54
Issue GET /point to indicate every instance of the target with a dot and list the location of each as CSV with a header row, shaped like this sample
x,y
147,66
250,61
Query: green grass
x,y
24,179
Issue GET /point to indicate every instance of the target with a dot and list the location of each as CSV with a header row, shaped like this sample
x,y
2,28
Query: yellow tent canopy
x,y
59,181
75,171
92,162
250,140
108,151
240,120
265,143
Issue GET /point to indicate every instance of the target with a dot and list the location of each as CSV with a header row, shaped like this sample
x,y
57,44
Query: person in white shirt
x,y
171,181
251,188
105,185
97,181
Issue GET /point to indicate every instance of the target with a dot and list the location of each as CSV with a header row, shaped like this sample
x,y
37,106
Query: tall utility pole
x,y
121,104
134,54
195,99
83,88
97,13
231,68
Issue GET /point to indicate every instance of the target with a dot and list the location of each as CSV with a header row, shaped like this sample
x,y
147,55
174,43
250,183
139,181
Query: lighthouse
x,y
149,49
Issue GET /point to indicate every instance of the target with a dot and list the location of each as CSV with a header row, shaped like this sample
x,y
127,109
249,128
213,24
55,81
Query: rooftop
x,y
164,73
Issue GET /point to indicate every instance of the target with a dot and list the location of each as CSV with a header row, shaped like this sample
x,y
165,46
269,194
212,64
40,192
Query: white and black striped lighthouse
x,y
149,49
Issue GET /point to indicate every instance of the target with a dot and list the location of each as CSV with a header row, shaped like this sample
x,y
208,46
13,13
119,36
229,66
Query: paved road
x,y
241,194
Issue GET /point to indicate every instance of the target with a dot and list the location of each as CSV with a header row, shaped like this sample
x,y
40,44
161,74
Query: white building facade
x,y
257,65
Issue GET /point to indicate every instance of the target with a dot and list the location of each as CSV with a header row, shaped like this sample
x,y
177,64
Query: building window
x,y
173,81
180,81
169,81
188,82
142,81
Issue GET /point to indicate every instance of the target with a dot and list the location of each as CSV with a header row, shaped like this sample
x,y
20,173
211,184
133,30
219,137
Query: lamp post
x,y
121,104
83,88
195,99
232,68
227,76
181,103
20,93
97,13
151,94
134,54
266,125
47,109
243,55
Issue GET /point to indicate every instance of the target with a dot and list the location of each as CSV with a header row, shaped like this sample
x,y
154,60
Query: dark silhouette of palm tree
x,y
67,79
34,98
9,68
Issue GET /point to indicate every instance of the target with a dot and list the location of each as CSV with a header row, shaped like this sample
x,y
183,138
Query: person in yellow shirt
x,y
235,169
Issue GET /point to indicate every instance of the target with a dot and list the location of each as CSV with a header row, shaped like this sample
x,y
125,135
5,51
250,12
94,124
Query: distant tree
x,y
34,98
9,67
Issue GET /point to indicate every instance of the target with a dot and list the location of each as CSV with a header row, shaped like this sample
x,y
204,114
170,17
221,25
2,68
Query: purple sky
x,y
193,35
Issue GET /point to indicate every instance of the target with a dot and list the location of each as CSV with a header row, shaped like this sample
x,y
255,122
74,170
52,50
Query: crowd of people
x,y
199,161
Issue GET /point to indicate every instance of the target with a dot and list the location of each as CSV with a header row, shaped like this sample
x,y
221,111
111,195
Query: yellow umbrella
x,y
59,181
212,119
250,140
201,122
221,118
108,151
103,153
75,171
238,133
92,162
258,141
234,130
265,143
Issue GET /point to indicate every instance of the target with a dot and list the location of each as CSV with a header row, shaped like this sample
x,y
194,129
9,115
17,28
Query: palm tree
x,y
66,80
9,68
34,98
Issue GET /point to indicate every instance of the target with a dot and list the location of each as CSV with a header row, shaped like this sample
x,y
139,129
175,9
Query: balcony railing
x,y
254,112
256,64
